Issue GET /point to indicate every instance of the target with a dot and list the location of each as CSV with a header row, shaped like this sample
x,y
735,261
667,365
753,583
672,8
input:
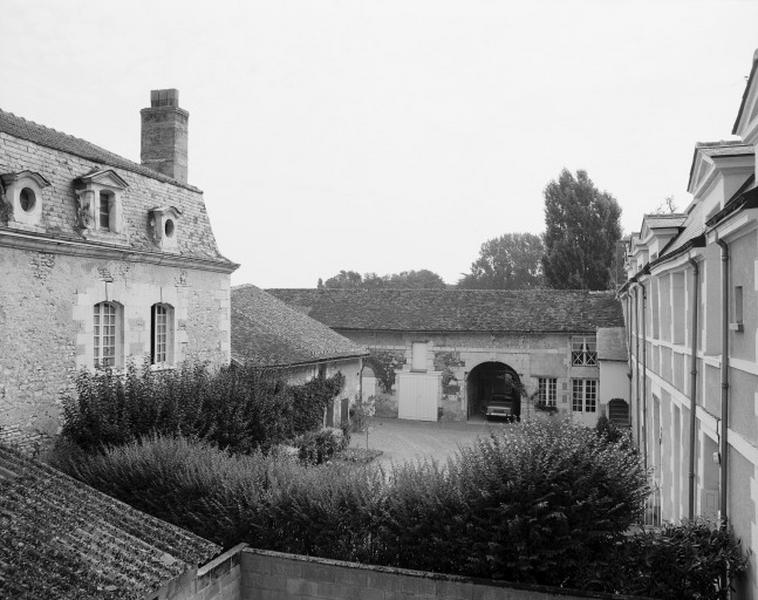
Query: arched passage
x,y
490,381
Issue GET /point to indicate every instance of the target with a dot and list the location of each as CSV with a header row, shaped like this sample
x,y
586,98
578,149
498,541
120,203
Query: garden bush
x,y
236,408
316,447
551,504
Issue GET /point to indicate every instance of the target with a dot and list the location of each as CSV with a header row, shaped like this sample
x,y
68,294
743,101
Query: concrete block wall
x,y
269,575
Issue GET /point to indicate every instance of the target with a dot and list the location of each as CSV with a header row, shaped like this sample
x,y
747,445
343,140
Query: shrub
x,y
676,561
316,447
241,409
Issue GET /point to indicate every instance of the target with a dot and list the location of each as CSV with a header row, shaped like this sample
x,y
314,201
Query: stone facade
x,y
80,226
452,356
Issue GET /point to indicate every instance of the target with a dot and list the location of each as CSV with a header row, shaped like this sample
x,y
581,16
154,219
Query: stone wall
x,y
46,324
276,576
455,355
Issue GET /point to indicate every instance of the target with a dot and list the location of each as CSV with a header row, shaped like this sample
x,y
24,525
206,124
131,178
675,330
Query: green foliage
x,y
581,233
312,398
6,207
361,412
510,262
676,562
384,363
316,447
421,279
241,409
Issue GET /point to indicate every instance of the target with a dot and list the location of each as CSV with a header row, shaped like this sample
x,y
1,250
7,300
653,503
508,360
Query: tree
x,y
421,279
581,232
666,207
344,280
509,262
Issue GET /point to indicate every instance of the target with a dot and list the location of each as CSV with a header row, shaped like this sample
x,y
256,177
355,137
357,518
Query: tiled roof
x,y
62,539
267,332
611,343
62,159
746,93
523,311
664,221
52,138
720,149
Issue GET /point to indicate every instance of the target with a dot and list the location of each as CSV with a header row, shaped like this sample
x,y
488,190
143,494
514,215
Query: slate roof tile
x,y
611,343
267,332
63,539
523,311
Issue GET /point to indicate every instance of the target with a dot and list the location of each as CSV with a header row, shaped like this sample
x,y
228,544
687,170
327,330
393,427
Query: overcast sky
x,y
389,135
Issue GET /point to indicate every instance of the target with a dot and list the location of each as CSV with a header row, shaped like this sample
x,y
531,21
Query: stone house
x,y
443,353
691,305
269,334
102,260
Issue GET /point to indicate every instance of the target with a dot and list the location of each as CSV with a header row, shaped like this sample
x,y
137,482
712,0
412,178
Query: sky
x,y
390,135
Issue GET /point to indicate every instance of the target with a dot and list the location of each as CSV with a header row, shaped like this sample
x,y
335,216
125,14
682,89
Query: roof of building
x,y
267,332
63,539
719,149
144,190
52,138
523,311
655,221
611,343
746,93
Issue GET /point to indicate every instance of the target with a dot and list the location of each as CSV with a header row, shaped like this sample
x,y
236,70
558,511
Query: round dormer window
x,y
27,199
168,228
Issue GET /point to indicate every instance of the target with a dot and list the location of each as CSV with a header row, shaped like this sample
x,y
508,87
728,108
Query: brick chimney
x,y
164,135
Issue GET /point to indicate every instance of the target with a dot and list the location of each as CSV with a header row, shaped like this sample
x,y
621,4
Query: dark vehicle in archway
x,y
500,406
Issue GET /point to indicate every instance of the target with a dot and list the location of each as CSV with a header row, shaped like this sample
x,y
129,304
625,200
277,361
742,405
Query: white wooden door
x,y
418,395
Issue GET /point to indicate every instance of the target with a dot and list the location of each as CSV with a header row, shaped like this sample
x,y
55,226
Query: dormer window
x,y
163,221
105,203
99,197
24,195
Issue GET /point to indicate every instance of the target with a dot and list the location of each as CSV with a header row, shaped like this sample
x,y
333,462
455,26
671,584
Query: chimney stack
x,y
164,135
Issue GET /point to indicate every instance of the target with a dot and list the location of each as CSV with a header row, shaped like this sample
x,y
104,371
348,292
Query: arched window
x,y
107,334
161,334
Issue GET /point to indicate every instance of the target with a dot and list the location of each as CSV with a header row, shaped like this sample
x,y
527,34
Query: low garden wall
x,y
280,576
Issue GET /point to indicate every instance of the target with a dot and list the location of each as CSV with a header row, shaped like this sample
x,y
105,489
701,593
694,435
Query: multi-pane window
x,y
104,210
105,334
547,391
161,336
583,351
584,395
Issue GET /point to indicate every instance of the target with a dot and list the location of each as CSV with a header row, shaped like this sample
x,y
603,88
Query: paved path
x,y
402,440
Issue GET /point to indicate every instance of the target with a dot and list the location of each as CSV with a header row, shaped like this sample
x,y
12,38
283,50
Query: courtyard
x,y
403,441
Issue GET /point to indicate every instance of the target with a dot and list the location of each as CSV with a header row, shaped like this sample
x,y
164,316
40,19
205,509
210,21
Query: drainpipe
x,y
724,376
644,376
693,386
629,345
638,409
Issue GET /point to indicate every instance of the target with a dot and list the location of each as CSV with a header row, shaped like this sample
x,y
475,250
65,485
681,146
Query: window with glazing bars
x,y
159,345
105,334
583,351
104,210
584,395
547,391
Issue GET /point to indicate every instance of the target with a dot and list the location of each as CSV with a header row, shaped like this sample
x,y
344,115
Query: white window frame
x,y
584,395
107,334
583,351
161,334
547,390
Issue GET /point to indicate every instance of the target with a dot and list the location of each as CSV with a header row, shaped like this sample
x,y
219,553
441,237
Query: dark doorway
x,y
488,379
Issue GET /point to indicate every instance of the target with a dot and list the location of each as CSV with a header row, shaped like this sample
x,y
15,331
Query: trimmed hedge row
x,y
236,408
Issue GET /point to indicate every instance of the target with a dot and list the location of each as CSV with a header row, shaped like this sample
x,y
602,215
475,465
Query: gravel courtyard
x,y
402,441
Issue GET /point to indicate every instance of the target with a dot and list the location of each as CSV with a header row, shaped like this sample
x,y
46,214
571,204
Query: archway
x,y
488,379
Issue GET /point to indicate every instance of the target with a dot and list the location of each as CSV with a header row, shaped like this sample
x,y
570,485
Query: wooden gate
x,y
418,395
